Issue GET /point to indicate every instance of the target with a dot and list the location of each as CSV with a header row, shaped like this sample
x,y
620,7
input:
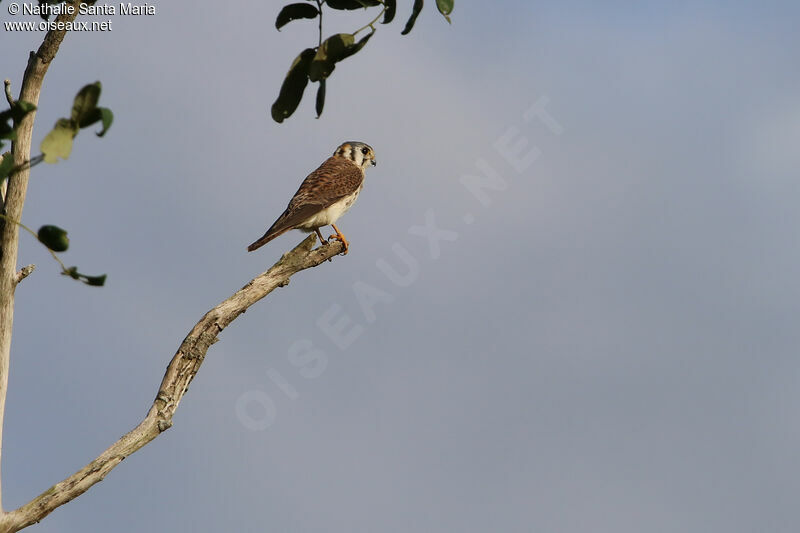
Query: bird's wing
x,y
335,179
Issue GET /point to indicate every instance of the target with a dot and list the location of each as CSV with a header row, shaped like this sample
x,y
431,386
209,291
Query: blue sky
x,y
608,345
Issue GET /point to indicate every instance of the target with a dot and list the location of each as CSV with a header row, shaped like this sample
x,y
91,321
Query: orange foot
x,y
339,237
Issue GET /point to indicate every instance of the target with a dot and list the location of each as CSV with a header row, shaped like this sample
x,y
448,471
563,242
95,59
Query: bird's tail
x,y
268,236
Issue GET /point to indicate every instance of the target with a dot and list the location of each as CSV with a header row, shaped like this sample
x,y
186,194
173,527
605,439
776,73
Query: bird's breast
x,y
330,214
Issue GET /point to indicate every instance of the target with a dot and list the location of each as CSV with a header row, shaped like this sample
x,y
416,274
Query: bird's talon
x,y
342,240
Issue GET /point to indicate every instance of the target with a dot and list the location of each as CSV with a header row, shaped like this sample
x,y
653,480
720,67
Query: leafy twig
x,y
64,268
372,23
32,162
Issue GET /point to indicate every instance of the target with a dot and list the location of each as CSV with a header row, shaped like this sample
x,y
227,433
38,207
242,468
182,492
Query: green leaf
x,y
294,12
6,165
24,107
351,4
445,8
58,143
95,281
413,18
333,49
16,113
98,114
358,46
106,119
320,98
54,238
391,9
7,132
85,101
293,86
21,108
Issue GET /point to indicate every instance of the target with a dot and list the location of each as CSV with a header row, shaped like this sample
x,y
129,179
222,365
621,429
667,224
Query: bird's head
x,y
359,153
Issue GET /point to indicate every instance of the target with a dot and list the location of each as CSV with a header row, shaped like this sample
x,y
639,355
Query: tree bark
x,y
180,372
14,200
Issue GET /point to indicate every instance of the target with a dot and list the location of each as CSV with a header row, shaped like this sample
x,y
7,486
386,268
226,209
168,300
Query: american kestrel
x,y
325,195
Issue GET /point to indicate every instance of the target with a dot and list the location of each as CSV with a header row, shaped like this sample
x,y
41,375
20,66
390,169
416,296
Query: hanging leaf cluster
x,y
56,240
56,145
318,63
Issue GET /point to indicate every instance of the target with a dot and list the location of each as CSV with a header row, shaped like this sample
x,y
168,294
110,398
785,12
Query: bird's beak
x,y
374,162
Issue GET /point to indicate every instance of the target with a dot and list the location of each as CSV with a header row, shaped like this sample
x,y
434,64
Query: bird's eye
x,y
365,150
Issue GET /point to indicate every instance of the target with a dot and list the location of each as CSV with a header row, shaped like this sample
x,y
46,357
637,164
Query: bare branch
x,y
180,372
24,272
9,96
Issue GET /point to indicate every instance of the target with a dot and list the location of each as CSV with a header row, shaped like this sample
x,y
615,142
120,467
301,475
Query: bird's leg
x,y
339,237
321,238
